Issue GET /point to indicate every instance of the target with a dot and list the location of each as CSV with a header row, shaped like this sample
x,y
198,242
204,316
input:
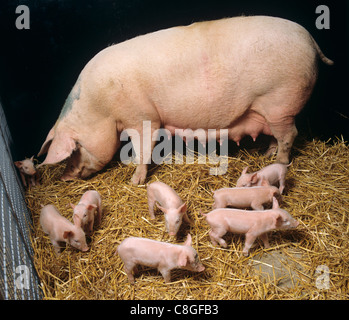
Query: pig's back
x,y
158,185
140,245
273,172
242,193
233,220
194,76
50,216
165,194
145,251
90,195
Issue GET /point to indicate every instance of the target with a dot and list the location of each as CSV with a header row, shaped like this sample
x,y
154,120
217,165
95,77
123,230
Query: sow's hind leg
x,y
273,144
285,135
279,109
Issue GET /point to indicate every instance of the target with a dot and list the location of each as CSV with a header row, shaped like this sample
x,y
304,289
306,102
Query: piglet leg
x,y
151,203
217,237
250,239
166,274
129,269
264,238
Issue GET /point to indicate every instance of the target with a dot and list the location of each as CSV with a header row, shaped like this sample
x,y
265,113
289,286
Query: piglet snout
x,y
201,268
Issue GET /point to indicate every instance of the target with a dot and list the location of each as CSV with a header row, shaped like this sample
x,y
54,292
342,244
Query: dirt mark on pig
x,y
73,95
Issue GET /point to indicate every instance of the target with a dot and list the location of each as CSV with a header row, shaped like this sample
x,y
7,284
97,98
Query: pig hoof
x,y
137,179
282,158
66,178
283,161
270,152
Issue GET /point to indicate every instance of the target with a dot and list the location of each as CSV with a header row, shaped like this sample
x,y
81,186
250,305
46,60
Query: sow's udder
x,y
251,124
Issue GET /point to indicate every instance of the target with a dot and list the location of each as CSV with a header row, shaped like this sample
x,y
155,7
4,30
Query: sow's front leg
x,y
143,145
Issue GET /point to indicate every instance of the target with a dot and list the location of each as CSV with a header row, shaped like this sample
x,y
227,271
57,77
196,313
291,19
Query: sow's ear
x,y
59,148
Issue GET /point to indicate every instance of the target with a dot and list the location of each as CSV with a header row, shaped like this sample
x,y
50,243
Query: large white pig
x,y
88,211
251,223
249,75
156,254
170,204
60,229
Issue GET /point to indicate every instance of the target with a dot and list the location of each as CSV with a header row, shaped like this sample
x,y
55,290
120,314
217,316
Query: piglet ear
x,y
72,205
67,234
161,208
18,164
254,178
91,206
182,260
244,170
183,208
188,241
277,222
275,203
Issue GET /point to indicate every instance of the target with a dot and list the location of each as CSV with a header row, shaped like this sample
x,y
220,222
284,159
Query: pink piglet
x,y
29,174
61,230
251,223
88,211
169,203
274,173
160,255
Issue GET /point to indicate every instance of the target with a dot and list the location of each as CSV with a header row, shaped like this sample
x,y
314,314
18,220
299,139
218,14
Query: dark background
x,y
39,66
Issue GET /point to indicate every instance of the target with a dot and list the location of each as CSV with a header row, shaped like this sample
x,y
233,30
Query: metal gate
x,y
18,277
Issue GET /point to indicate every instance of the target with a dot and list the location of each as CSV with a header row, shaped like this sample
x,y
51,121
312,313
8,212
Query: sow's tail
x,y
321,55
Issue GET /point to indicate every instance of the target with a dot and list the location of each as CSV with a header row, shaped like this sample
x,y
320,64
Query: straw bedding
x,y
316,194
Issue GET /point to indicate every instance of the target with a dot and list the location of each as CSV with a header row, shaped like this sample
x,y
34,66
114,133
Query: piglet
x,y
27,170
156,254
87,211
170,204
274,173
251,223
254,197
61,229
